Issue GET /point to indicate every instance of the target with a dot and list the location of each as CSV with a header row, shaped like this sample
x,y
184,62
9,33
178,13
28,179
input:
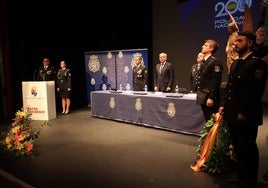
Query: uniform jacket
x,y
47,74
140,76
209,81
195,76
165,78
64,79
245,87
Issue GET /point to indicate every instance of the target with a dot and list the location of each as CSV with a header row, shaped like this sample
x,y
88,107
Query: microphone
x,y
34,75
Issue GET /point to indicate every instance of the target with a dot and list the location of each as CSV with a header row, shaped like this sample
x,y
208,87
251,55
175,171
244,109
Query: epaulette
x,y
212,57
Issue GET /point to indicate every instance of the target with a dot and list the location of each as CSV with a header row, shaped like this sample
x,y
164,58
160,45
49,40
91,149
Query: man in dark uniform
x,y
164,75
242,107
208,90
46,72
140,75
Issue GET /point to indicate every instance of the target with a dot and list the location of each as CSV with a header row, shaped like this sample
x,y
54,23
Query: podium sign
x,y
39,99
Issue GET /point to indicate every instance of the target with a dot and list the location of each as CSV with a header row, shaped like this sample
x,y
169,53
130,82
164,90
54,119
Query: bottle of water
x,y
120,87
177,89
145,88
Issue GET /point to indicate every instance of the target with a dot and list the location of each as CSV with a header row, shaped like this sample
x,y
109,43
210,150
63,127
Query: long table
x,y
174,112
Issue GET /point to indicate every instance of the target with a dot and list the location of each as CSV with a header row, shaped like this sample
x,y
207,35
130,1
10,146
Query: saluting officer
x,y
140,75
208,91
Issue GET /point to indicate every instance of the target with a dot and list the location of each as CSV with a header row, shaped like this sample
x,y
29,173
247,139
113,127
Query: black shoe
x,y
246,185
265,176
241,185
233,178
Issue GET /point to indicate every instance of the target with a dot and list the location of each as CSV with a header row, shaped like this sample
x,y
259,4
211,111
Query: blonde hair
x,y
163,54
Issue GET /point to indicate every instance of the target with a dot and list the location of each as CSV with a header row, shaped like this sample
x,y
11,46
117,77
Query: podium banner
x,y
39,99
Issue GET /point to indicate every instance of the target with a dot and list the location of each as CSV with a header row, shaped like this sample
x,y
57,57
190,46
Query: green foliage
x,y
219,159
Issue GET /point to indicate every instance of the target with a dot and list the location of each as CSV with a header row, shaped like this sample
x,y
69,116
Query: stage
x,y
82,151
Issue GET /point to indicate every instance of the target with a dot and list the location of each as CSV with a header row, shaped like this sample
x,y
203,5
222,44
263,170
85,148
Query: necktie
x,y
161,67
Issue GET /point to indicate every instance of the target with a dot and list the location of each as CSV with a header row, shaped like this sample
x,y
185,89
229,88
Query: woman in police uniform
x,y
140,75
64,87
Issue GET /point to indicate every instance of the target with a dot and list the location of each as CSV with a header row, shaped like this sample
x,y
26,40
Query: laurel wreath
x,y
220,159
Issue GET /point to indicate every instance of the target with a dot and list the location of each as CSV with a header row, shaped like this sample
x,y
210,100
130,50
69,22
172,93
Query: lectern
x,y
39,99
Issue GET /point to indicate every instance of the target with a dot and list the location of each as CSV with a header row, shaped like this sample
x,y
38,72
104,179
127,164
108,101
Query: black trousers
x,y
243,136
209,110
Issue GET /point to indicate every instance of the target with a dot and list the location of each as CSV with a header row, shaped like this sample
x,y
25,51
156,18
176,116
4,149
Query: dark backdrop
x,y
65,29
180,28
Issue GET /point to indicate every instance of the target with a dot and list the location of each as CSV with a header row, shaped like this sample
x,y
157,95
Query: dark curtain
x,y
6,106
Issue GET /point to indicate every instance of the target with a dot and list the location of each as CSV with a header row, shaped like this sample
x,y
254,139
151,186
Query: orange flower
x,y
29,147
20,119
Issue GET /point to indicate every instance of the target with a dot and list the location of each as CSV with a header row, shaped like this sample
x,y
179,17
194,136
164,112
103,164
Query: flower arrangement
x,y
19,140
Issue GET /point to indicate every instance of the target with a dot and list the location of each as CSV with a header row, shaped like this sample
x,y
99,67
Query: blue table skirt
x,y
158,110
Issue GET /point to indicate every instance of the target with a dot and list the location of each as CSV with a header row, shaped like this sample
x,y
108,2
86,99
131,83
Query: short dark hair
x,y
249,34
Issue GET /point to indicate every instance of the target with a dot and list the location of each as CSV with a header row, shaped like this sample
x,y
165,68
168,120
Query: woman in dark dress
x,y
64,87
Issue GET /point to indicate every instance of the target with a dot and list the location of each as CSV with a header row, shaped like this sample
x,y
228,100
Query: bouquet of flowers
x,y
19,140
